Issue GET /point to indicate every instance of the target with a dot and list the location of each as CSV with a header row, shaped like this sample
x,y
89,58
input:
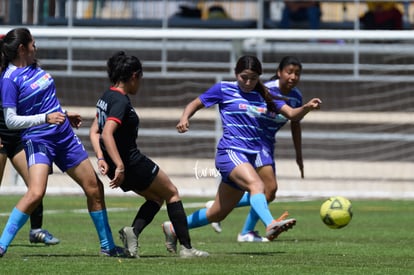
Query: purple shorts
x,y
65,153
265,158
227,160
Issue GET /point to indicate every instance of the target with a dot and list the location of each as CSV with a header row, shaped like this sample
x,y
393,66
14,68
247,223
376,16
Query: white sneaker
x,y
130,241
170,237
192,253
251,237
215,225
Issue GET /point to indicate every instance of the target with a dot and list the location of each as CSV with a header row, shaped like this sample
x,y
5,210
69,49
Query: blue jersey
x,y
272,122
32,91
239,113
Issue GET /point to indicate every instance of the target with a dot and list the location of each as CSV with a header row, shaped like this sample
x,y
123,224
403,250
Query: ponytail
x,y
264,92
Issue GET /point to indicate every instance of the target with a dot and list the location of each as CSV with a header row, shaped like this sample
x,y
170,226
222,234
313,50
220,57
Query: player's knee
x,y
270,194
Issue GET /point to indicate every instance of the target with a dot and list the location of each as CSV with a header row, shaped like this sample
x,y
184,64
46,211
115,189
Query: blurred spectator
x,y
298,11
382,16
217,12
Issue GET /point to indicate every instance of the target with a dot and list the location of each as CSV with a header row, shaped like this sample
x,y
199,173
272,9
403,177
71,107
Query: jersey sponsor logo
x,y
254,111
42,82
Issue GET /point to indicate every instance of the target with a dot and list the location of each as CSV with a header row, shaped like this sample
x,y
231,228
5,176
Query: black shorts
x,y
11,147
139,173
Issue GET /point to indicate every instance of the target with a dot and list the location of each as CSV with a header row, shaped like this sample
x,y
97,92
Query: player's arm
x,y
191,108
297,142
15,121
108,139
297,114
94,136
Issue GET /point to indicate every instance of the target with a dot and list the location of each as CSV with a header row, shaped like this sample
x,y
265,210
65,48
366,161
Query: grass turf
x,y
379,240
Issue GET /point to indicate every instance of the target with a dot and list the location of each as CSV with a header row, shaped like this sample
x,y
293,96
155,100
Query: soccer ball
x,y
336,212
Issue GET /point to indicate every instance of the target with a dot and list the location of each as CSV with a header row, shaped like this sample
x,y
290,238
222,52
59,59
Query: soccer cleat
x,y
170,237
251,237
192,253
215,225
117,251
278,226
2,251
42,236
130,241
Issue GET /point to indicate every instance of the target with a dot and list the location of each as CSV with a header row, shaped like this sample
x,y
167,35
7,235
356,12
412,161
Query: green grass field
x,y
379,240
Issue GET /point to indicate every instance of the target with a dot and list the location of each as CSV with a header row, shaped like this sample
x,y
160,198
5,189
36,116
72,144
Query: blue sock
x,y
16,221
197,218
250,222
100,219
245,200
259,205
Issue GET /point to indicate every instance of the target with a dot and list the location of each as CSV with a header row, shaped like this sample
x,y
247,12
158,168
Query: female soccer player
x,y
12,148
241,103
283,85
30,103
113,135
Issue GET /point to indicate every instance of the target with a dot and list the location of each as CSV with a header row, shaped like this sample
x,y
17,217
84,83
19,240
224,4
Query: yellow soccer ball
x,y
336,212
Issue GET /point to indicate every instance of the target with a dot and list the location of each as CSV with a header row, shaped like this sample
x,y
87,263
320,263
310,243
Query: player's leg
x,y
138,178
85,176
129,234
37,233
38,174
248,234
3,160
164,188
247,178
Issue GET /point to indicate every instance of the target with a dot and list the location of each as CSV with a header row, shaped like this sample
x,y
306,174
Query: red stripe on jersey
x,y
117,120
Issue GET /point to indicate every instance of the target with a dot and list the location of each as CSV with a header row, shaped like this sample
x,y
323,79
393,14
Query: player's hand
x,y
118,178
314,104
75,119
103,167
55,118
183,126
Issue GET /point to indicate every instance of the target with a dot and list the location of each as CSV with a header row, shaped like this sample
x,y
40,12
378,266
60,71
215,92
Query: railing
x,y
348,55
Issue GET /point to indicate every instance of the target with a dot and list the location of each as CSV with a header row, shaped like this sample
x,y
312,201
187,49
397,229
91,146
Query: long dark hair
x,y
249,62
9,45
121,67
286,61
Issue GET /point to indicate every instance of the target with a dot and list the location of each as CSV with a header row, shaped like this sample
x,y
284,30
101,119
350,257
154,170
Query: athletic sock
x,y
178,219
36,218
145,215
251,221
16,221
259,205
100,220
244,201
197,218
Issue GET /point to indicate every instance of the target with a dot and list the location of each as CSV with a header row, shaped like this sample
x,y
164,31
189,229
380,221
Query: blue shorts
x,y
227,160
66,152
265,158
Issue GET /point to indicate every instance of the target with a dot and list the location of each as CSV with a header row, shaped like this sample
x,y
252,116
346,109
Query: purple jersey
x,y
272,122
32,91
239,112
